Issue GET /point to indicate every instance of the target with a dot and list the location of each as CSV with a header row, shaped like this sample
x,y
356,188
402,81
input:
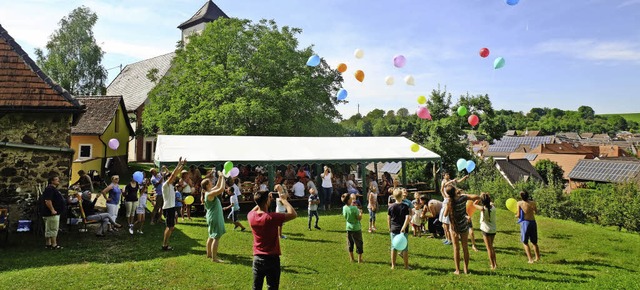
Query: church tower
x,y
207,13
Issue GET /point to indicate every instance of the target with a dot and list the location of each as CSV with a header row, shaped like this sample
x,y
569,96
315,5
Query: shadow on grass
x,y
558,236
590,263
298,270
237,259
515,250
295,238
27,251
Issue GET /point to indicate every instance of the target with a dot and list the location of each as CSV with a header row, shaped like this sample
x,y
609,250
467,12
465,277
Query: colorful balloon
x,y
342,67
470,166
422,100
188,200
227,167
462,111
423,113
114,143
498,63
461,164
138,176
512,205
234,172
359,75
409,80
399,242
359,53
484,52
512,2
389,80
313,60
342,94
415,147
399,61
473,120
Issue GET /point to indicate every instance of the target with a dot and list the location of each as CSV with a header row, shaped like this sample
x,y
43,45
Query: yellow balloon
x,y
188,200
415,147
512,205
422,100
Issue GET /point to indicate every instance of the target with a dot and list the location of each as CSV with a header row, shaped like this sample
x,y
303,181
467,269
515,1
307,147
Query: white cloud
x,y
591,49
628,3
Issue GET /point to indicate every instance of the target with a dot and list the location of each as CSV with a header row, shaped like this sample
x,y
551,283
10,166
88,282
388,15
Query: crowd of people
x,y
449,219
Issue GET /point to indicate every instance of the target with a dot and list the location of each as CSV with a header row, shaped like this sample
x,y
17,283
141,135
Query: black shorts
x,y
488,234
170,217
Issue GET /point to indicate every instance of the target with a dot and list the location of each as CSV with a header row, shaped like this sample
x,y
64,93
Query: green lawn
x,y
573,256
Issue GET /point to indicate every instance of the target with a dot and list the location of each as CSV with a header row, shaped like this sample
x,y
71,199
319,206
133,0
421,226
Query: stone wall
x,y
22,169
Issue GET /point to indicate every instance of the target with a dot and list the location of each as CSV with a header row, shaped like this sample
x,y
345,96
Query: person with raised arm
x,y
215,219
168,207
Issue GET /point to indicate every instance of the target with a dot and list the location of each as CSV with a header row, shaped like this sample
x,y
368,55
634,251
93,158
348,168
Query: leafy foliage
x,y
244,78
73,57
550,171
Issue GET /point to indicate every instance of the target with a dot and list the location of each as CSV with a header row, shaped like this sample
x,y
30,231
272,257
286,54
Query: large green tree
x,y
245,78
73,58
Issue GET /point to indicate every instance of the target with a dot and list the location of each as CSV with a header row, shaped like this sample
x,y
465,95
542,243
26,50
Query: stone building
x,y
36,116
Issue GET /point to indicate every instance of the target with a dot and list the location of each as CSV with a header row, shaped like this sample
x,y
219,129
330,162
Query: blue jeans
x,y
326,196
372,215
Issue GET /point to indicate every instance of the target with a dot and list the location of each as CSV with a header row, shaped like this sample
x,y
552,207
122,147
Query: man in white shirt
x,y
168,207
298,188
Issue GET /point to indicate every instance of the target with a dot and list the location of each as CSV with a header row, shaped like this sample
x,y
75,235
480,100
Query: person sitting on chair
x,y
91,214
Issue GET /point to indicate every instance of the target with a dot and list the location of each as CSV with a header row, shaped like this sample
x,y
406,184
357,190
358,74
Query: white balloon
x,y
389,80
409,80
359,53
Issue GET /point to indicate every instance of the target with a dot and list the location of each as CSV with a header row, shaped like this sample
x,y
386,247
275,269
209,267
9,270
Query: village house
x,y
36,116
603,171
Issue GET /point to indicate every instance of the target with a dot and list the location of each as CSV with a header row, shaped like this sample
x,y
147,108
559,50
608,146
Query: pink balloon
x,y
234,172
423,113
473,120
399,61
114,143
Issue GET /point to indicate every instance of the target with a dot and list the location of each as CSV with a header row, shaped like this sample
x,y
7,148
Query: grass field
x,y
573,256
629,117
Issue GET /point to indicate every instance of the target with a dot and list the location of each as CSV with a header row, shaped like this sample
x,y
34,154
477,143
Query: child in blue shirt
x,y
313,207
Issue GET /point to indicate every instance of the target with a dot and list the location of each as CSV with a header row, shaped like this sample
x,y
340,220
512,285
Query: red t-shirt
x,y
264,227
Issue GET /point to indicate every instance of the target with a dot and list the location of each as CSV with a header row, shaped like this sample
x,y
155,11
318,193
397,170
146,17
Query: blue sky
x,y
558,53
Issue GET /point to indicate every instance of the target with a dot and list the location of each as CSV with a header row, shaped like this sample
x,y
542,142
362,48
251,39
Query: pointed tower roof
x,y
207,13
25,87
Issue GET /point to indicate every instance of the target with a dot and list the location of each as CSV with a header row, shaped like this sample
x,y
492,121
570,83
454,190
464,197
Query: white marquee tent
x,y
268,150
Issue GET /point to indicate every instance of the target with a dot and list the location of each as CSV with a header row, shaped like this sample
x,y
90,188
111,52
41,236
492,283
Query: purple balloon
x,y
114,143
399,61
234,172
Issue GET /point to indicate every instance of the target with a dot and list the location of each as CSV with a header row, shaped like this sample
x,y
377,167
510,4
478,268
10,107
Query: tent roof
x,y
282,150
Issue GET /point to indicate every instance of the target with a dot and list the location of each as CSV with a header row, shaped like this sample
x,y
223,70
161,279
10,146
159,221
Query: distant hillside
x,y
629,117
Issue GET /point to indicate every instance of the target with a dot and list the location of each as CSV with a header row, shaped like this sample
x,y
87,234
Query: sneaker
x,y
243,229
370,230
131,230
317,227
167,248
447,243
140,232
283,236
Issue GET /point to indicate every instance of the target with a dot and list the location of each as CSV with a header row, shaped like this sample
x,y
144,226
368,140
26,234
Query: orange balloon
x,y
359,75
342,67
470,208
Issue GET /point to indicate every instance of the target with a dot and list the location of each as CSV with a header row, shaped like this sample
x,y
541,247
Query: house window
x,y
117,122
85,151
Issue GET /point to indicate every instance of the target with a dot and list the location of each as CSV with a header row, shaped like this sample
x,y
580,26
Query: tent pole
x,y
404,174
363,176
272,173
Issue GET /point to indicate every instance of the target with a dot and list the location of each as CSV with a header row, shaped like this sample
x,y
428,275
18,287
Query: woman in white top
x,y
327,188
488,225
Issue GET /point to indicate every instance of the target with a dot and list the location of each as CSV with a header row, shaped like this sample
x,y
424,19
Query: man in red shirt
x,y
266,242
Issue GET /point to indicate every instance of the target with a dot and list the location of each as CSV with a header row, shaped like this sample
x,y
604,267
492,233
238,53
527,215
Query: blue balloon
x,y
138,176
342,94
470,166
399,242
461,164
314,60
512,2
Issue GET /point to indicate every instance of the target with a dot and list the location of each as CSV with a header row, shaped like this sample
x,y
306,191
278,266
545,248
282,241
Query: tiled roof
x,y
517,169
586,135
566,148
605,170
569,135
100,113
510,144
207,13
566,161
133,84
24,86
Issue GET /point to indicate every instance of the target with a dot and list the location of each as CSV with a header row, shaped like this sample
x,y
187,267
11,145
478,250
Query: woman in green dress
x,y
215,219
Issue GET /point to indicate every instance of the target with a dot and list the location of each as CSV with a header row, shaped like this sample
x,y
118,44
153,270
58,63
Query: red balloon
x,y
484,52
473,120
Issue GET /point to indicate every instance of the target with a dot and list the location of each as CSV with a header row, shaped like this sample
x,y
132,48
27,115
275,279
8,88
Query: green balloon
x,y
462,111
228,166
498,63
